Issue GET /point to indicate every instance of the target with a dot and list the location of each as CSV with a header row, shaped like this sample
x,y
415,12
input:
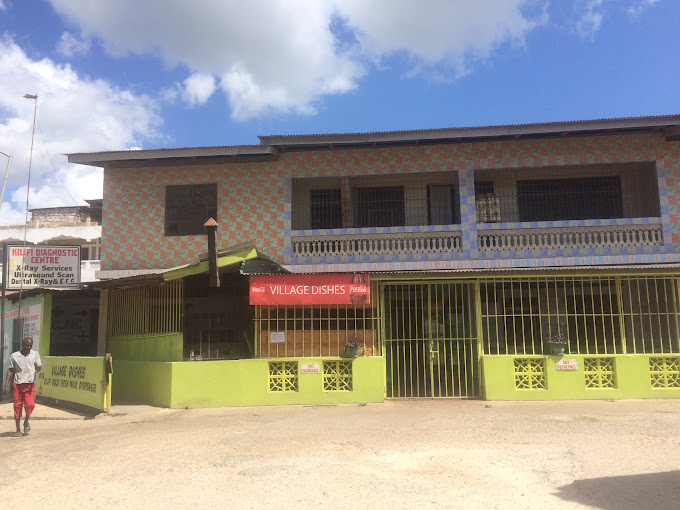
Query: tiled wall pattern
x,y
255,202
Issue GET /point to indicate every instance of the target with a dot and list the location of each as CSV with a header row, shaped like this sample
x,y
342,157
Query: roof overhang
x,y
271,146
243,258
668,125
195,155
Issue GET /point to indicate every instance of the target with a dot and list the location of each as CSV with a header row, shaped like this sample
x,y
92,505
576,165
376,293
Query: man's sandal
x,y
27,429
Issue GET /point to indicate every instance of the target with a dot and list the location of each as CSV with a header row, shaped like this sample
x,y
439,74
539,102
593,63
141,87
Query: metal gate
x,y
430,333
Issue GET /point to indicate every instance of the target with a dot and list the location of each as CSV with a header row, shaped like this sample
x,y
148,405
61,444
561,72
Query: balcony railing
x,y
570,238
377,244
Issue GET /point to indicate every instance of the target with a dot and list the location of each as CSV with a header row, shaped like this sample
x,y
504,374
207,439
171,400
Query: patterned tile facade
x,y
255,202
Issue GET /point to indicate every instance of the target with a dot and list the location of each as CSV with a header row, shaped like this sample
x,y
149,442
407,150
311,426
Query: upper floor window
x,y
442,201
188,207
579,198
380,206
325,208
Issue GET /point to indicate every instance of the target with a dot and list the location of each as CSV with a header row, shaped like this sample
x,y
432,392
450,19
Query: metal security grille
x,y
599,372
650,314
529,373
664,372
595,191
600,315
316,330
283,376
375,201
144,311
337,376
430,340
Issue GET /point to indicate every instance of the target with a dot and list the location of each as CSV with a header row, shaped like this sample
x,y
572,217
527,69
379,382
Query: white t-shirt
x,y
24,366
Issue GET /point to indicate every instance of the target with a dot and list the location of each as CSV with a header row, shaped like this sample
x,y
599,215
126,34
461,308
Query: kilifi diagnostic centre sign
x,y
30,267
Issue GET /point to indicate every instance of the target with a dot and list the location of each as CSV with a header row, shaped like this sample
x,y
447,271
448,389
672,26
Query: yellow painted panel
x,y
81,380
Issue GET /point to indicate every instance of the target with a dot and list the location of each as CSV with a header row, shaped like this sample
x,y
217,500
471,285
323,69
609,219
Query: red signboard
x,y
309,289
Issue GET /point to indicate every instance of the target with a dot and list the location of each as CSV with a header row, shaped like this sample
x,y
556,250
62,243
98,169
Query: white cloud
x,y
590,20
637,8
198,88
284,55
74,114
70,46
455,34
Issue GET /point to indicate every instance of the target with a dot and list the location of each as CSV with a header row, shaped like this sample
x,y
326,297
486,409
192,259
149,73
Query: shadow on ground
x,y
653,490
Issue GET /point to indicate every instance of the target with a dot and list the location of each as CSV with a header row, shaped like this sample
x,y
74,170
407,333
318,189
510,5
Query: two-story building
x,y
536,261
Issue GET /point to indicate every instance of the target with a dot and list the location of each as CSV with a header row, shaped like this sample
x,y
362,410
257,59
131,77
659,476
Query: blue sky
x,y
122,74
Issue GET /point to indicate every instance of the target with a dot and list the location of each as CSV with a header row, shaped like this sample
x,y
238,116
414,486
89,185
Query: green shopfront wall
x,y
632,379
238,383
148,348
78,379
146,382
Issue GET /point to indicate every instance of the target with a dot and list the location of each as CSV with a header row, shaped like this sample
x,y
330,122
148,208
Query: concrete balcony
x,y
398,243
569,238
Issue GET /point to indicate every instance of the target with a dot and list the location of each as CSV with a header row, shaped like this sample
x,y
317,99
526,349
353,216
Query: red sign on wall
x,y
310,289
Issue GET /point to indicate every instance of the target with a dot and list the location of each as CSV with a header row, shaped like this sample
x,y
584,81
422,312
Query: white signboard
x,y
277,337
42,266
566,364
310,368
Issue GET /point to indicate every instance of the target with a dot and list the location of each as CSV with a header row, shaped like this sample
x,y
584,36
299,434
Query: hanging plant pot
x,y
351,351
558,349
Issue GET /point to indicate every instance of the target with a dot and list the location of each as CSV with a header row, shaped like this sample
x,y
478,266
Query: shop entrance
x,y
431,348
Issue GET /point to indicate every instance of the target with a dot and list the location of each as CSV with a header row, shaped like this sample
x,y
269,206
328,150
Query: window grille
x,y
579,198
376,201
595,314
650,314
599,372
188,207
316,330
326,208
145,311
380,206
609,191
337,376
664,372
283,376
529,374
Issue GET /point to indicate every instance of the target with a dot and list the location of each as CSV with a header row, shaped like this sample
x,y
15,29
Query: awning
x,y
247,261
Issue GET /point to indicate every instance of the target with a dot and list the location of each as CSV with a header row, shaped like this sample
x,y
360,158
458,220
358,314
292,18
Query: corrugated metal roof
x,y
271,145
673,267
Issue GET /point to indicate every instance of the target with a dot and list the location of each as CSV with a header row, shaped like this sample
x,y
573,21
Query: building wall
x,y
255,198
244,382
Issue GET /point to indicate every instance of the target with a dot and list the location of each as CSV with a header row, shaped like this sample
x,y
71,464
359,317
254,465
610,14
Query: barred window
x,y
380,206
325,208
188,207
581,198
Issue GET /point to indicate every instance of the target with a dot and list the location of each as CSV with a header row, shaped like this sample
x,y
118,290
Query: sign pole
x,y
5,272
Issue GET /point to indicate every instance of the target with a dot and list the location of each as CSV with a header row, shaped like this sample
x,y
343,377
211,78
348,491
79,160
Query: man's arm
x,y
7,381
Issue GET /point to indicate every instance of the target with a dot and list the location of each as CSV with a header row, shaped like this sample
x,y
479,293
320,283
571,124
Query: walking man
x,y
23,365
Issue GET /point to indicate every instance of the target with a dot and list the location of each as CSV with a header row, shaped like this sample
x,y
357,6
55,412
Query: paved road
x,y
402,454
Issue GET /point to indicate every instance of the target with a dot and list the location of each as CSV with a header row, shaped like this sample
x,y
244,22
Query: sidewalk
x,y
45,412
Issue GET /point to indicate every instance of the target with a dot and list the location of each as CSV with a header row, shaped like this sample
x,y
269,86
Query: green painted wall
x,y
74,379
632,380
237,383
146,382
150,348
11,312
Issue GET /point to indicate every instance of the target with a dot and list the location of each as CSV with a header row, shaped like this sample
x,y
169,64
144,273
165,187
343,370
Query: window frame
x,y
176,223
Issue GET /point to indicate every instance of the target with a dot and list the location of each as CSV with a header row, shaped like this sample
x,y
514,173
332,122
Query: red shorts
x,y
24,395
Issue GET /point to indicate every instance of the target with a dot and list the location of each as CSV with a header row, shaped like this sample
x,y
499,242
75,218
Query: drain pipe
x,y
211,227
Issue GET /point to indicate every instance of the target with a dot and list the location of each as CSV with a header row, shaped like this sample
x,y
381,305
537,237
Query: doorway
x,y
431,348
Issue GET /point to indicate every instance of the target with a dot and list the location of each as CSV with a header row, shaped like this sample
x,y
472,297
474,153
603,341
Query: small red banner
x,y
309,289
